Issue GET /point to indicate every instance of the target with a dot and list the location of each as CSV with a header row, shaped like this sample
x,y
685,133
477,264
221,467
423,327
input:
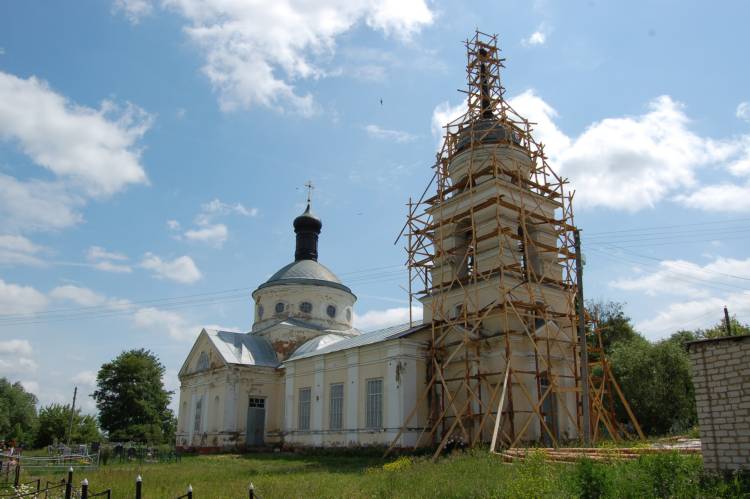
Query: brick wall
x,y
721,375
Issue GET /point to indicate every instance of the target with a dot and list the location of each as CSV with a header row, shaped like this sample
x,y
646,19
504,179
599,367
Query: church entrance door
x,y
256,421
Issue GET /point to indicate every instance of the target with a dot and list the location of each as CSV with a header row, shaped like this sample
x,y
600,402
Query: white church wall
x,y
395,362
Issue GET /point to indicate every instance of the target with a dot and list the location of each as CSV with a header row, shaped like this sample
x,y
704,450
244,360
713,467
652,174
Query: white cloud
x,y
107,261
538,37
698,293
17,250
443,114
378,319
34,205
91,153
14,358
255,52
99,253
133,10
166,321
208,231
78,295
720,197
15,347
30,386
94,148
181,269
16,299
634,162
86,378
743,111
217,207
212,234
395,135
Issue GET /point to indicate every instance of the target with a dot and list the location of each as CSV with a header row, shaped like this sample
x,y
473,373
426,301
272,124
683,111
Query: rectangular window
x,y
198,414
336,415
304,409
374,403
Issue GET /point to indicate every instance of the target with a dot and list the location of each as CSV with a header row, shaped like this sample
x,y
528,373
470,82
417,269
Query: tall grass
x,y
471,474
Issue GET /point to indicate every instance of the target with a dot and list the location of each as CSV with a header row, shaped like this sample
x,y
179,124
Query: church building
x,y
499,357
303,376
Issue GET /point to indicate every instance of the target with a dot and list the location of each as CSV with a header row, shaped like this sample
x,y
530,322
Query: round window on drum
x,y
279,307
331,311
305,307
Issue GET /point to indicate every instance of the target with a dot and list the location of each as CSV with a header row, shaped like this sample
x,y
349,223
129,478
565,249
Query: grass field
x,y
474,474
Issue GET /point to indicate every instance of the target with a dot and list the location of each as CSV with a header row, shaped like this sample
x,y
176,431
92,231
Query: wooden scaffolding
x,y
491,256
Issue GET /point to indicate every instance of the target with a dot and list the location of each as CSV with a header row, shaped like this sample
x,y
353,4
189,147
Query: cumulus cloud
x,y
632,163
17,299
697,293
15,347
181,269
538,37
166,321
207,231
212,234
17,250
399,136
255,52
33,205
378,319
133,10
95,148
15,358
92,153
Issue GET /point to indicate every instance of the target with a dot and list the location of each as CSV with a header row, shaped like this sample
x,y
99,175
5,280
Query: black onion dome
x,y
307,227
307,222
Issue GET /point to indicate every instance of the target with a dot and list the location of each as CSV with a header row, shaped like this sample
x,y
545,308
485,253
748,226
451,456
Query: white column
x,y
392,391
230,404
289,424
351,396
318,399
191,419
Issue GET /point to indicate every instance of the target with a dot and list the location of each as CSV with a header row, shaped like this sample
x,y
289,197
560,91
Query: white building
x,y
303,375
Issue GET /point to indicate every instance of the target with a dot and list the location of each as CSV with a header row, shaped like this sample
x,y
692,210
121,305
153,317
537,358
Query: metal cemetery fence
x,y
12,487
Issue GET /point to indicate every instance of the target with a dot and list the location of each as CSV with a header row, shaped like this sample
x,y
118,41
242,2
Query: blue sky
x,y
153,156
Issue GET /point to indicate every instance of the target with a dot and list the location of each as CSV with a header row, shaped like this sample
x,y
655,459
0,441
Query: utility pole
x,y
585,409
72,415
727,324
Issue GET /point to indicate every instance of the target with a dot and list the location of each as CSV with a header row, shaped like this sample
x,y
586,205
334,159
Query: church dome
x,y
305,272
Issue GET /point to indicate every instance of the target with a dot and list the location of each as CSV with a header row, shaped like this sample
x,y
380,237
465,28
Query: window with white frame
x,y
303,420
374,403
336,413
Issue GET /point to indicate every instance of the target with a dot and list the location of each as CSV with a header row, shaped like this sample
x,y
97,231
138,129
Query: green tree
x,y
720,329
54,425
655,378
614,324
18,420
132,402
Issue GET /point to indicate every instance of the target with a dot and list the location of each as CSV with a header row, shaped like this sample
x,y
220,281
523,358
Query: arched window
x,y
305,307
260,311
522,251
331,311
348,314
217,413
202,363
279,307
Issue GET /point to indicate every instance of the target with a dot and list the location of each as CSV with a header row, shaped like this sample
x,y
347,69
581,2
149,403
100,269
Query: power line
x,y
669,226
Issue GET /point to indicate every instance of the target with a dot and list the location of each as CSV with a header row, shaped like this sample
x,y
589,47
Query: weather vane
x,y
310,188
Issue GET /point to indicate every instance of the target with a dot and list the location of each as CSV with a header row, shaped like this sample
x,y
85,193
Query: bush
x,y
590,479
